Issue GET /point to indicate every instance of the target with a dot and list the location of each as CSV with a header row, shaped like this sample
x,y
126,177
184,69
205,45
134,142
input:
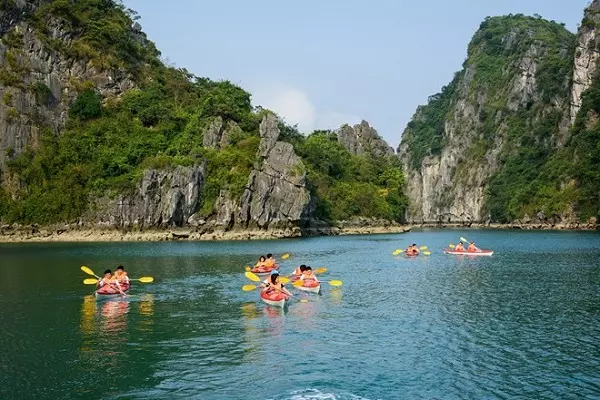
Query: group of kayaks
x,y
303,279
456,250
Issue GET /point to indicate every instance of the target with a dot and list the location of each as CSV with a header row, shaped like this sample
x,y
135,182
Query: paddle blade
x,y
283,279
451,246
427,253
423,247
397,251
90,281
321,270
252,276
247,288
285,256
335,283
463,239
298,283
145,279
87,270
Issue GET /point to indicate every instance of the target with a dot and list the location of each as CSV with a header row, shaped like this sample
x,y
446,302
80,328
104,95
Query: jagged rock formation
x,y
163,198
362,139
586,56
216,136
483,149
37,83
276,196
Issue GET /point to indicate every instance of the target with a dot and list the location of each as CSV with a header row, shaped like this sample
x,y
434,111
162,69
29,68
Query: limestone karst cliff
x,y
96,131
497,144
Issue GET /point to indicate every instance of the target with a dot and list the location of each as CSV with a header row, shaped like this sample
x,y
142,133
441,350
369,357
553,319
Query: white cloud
x,y
295,107
291,104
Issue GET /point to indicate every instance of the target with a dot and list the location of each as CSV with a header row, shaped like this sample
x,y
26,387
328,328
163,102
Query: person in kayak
x,y
472,248
270,261
299,270
459,247
261,261
412,250
121,275
106,279
308,275
274,284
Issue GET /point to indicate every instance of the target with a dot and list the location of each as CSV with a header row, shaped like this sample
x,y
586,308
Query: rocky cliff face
x,y
586,56
276,196
38,82
163,198
504,112
362,139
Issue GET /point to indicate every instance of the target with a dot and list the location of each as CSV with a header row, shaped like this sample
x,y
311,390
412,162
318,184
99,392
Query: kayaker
x,y
459,247
308,275
274,284
299,270
121,275
270,261
412,250
261,261
106,279
472,248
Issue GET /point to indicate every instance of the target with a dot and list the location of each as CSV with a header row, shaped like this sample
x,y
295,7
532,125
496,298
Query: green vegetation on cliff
x,y
107,143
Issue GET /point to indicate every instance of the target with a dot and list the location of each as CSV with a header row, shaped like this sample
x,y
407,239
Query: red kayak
x,y
112,290
469,253
274,298
262,270
308,285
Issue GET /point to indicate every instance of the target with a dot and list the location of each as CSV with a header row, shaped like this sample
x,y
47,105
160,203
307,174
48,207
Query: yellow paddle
x,y
397,251
247,288
321,270
90,272
299,283
463,239
451,246
143,279
427,253
285,256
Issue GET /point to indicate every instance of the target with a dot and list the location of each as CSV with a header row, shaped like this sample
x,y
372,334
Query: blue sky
x,y
321,63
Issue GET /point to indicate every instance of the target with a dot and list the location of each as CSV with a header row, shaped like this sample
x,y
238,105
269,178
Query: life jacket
x,y
472,248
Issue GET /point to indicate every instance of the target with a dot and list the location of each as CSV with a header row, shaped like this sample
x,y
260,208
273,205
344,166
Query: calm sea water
x,y
524,323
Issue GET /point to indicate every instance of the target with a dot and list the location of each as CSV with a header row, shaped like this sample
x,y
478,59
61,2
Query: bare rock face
x,y
586,56
363,139
217,135
276,195
163,198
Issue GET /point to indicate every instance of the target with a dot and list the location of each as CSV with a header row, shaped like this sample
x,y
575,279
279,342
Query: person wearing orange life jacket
x,y
261,261
270,261
121,275
472,248
459,247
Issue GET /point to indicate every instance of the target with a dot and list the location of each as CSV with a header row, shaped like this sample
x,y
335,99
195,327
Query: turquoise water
x,y
524,323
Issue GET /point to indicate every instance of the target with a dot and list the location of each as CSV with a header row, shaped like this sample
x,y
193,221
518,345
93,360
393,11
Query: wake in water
x,y
315,394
